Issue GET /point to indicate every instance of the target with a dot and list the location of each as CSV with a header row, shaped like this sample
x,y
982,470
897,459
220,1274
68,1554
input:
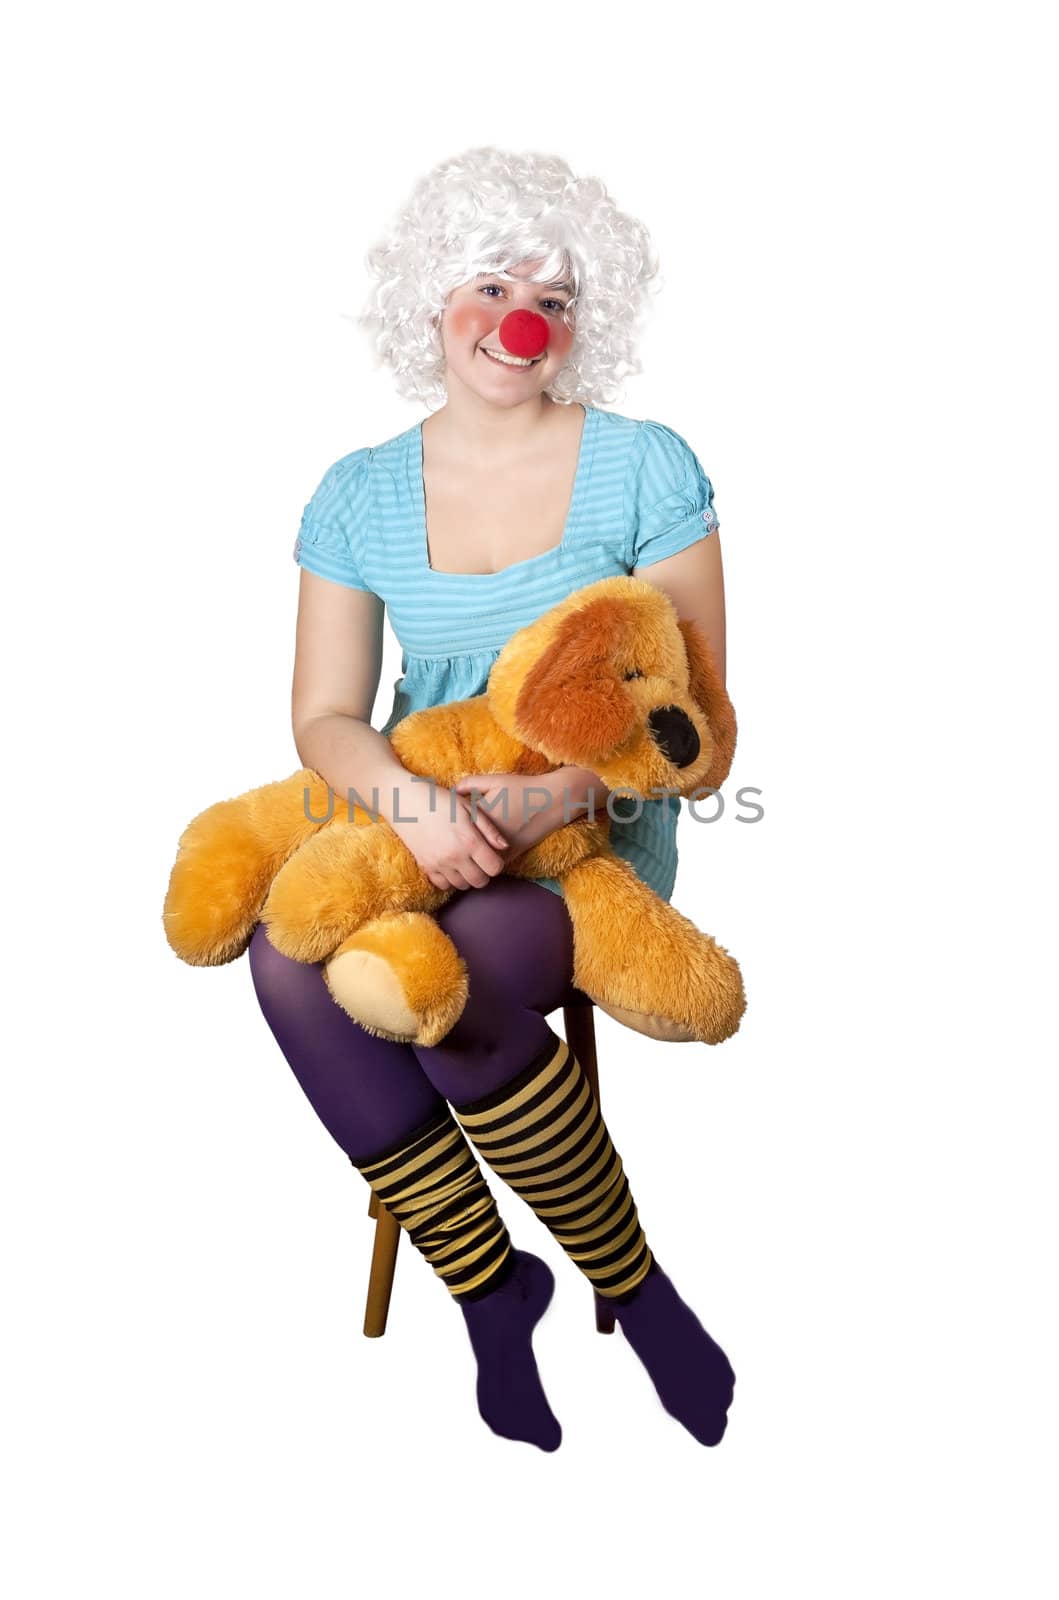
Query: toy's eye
x,y
635,673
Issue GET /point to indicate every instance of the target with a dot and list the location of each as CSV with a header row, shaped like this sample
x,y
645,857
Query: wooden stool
x,y
581,1038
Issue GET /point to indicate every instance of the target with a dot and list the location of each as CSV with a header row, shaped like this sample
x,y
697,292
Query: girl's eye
x,y
558,304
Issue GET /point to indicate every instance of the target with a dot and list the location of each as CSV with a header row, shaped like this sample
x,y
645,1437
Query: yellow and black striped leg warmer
x,y
434,1187
543,1134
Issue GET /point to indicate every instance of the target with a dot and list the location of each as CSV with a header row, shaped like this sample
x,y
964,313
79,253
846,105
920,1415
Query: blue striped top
x,y
639,495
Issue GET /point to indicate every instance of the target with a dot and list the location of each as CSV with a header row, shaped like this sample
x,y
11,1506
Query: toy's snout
x,y
524,333
674,733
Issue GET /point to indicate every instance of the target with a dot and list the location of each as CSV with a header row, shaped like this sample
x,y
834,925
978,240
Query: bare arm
x,y
581,789
337,664
694,581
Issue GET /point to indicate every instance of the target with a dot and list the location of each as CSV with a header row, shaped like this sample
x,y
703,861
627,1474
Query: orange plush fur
x,y
576,687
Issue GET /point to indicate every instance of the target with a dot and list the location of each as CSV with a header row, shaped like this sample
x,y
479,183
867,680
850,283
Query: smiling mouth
x,y
509,361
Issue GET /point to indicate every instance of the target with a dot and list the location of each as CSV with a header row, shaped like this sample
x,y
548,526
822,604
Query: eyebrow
x,y
566,286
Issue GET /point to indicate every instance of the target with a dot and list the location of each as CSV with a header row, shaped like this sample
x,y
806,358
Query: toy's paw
x,y
720,997
401,977
650,1025
216,887
658,974
706,1007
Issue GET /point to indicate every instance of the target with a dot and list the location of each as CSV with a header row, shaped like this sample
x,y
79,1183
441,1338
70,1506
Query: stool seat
x,y
580,1031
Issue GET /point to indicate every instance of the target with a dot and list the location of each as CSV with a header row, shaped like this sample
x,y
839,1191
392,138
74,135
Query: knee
x,y
514,933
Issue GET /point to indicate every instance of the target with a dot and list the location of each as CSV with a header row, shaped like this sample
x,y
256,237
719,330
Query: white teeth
x,y
509,361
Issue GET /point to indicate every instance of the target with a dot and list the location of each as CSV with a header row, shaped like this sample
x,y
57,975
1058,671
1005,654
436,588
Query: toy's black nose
x,y
674,733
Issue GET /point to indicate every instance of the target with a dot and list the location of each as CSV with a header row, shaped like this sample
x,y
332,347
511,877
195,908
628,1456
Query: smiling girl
x,y
506,299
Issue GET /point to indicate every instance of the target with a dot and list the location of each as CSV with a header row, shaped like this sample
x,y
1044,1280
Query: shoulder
x,y
330,540
341,485
621,429
655,453
390,454
356,466
638,431
668,500
663,453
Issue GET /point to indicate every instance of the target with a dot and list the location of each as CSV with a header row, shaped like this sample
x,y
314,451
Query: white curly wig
x,y
489,210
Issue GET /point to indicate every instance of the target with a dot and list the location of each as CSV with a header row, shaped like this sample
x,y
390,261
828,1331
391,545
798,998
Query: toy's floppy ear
x,y
572,703
711,696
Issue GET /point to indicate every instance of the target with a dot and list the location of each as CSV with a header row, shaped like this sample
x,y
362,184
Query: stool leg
x,y
581,1037
380,1282
373,1203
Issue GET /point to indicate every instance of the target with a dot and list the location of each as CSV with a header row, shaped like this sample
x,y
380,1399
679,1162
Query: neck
x,y
474,428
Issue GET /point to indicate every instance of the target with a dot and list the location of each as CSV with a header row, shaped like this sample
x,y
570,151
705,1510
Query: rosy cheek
x,y
469,321
560,339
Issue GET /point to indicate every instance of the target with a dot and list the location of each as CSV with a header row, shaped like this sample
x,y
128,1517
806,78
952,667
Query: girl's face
x,y
472,315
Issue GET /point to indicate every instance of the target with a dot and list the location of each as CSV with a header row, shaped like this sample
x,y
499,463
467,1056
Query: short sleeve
x,y
329,541
668,498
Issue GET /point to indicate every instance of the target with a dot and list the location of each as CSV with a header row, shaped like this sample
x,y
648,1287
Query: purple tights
x,y
517,941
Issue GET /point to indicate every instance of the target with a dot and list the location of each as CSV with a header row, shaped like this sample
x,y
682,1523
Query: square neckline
x,y
418,492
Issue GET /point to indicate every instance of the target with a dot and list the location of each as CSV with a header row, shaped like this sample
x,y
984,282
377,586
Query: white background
x,y
856,335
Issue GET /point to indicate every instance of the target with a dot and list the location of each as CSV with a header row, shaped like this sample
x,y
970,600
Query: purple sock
x,y
691,1373
501,1324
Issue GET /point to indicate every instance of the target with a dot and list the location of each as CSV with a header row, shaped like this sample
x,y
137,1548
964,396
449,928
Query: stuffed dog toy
x,y
610,679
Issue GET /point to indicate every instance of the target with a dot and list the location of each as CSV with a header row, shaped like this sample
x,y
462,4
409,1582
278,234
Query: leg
x,y
371,1095
518,944
522,1097
581,1037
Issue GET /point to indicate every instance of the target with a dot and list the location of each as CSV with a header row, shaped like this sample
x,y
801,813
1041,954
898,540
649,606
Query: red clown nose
x,y
523,333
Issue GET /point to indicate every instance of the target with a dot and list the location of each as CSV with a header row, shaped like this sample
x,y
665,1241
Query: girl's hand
x,y
527,809
454,850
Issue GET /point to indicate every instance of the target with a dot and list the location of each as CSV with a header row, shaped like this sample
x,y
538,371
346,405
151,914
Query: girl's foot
x,y
689,1370
501,1324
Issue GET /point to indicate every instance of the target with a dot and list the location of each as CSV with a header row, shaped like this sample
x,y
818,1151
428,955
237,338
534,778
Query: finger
x,y
486,827
491,834
476,876
489,861
473,846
